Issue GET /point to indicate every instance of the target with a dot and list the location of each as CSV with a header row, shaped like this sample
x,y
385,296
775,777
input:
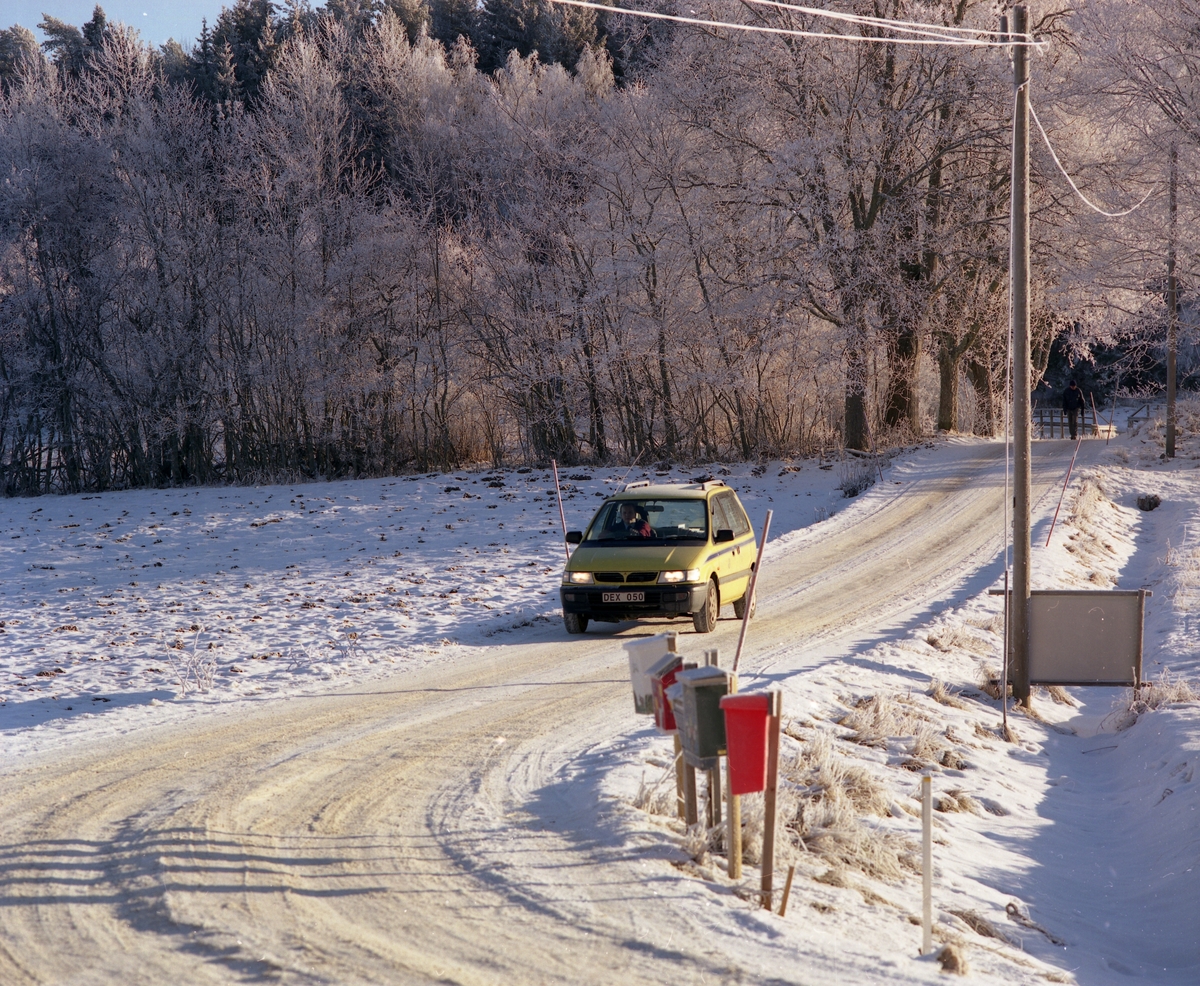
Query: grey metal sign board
x,y
1086,637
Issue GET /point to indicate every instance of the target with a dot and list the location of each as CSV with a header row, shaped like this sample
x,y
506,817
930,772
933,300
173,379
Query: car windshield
x,y
664,520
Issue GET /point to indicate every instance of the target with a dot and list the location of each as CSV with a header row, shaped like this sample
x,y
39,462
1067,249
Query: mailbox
x,y
662,677
746,718
643,655
673,694
701,725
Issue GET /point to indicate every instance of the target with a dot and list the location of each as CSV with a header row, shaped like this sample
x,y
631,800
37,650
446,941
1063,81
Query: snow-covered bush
x,y
194,667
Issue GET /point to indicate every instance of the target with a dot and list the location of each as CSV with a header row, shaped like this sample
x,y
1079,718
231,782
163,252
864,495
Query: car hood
x,y
631,558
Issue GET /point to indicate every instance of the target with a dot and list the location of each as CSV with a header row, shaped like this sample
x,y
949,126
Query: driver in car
x,y
635,526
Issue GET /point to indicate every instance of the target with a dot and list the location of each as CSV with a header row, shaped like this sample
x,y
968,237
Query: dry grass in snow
x,y
832,796
1164,691
876,718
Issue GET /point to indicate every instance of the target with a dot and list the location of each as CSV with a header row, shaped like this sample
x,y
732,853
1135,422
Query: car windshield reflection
x,y
642,521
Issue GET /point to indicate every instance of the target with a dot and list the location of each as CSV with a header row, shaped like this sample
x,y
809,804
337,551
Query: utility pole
x,y
1019,639
1172,300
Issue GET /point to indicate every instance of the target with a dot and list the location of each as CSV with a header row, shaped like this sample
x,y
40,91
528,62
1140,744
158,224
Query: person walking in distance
x,y
1073,404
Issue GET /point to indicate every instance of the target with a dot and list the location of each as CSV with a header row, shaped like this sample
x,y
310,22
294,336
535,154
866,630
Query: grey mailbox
x,y
698,715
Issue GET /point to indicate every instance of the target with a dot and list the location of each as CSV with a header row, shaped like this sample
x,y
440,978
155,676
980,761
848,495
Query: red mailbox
x,y
662,677
746,718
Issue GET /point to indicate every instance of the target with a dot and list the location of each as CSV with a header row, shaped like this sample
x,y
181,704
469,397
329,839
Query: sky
x,y
156,22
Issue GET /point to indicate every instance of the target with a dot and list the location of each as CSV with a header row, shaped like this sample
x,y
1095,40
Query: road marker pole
x,y
750,589
926,865
787,890
1062,496
562,516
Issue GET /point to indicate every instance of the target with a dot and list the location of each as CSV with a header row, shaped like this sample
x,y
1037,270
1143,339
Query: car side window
x,y
721,520
738,522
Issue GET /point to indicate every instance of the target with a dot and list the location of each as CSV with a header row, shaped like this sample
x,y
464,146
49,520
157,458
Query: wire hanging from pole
x,y
792,32
912,27
1083,198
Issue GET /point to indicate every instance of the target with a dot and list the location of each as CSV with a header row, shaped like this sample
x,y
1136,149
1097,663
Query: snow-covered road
x,y
470,821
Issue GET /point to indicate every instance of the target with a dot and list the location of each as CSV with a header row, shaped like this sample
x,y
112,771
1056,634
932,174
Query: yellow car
x,y
660,551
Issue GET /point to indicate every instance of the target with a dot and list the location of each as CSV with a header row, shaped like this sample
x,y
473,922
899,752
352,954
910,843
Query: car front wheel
x,y
574,622
705,619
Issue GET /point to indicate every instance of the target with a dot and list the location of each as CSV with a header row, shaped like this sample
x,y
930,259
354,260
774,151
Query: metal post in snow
x,y
1004,663
561,513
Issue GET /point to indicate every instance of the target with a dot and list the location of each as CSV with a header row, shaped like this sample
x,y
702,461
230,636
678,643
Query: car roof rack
x,y
634,485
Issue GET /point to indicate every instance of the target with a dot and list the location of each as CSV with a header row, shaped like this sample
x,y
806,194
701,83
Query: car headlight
x,y
691,575
580,578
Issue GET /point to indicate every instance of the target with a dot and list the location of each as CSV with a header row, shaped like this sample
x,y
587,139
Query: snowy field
x,y
1067,856
122,608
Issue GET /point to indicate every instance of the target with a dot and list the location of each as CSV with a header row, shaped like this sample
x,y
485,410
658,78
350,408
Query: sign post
x,y
769,809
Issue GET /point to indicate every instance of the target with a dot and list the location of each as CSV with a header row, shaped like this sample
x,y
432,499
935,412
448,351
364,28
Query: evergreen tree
x,y
71,48
556,33
247,29
94,31
19,52
176,65
356,15
415,15
64,44
226,87
204,64
451,19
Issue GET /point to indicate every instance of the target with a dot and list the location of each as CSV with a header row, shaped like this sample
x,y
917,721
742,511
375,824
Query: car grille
x,y
641,576
609,577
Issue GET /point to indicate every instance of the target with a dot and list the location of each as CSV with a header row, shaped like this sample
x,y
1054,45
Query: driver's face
x,y
628,513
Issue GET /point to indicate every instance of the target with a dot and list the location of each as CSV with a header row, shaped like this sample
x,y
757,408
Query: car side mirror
x,y
574,537
723,535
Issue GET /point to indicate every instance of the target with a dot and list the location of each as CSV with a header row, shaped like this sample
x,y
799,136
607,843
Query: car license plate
x,y
624,597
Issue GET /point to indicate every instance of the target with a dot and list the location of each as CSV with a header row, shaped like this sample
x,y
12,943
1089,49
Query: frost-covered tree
x,y
19,54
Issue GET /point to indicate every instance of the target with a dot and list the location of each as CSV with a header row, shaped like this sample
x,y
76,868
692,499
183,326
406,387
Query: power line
x,y
912,27
1083,198
794,32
